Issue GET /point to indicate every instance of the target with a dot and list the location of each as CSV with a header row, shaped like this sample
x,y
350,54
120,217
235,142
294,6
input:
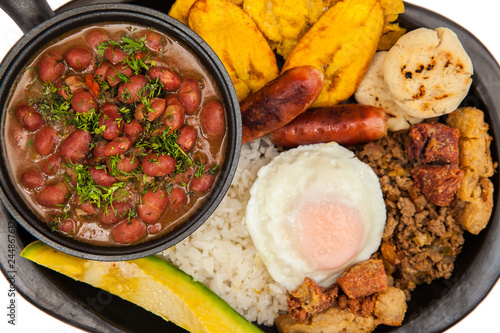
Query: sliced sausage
x,y
128,232
45,140
76,146
346,124
189,95
280,101
213,120
155,165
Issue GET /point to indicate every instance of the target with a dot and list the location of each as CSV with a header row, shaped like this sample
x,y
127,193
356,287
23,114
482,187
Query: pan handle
x,y
27,13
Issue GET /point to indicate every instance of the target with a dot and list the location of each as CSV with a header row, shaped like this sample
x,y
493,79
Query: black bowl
x,y
433,308
20,55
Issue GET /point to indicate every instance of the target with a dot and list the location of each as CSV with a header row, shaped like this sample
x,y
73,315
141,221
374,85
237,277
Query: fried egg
x,y
314,211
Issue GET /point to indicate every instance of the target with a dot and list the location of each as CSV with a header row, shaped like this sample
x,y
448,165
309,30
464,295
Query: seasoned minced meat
x,y
420,240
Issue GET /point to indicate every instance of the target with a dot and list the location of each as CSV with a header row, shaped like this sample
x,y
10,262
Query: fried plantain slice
x,y
235,38
392,31
180,9
341,44
285,22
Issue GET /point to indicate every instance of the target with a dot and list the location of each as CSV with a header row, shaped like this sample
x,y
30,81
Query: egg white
x,y
319,173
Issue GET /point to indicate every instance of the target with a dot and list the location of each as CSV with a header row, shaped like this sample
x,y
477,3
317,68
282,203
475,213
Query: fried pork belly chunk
x,y
437,143
438,183
332,320
390,307
309,299
363,279
475,196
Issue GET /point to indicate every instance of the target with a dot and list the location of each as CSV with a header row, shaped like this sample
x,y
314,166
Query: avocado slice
x,y
151,283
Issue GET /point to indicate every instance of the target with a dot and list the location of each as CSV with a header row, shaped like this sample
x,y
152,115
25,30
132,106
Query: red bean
x,y
132,129
45,140
177,198
67,226
114,72
51,164
100,72
183,178
98,151
115,55
101,177
83,101
118,146
173,117
128,232
154,111
155,165
75,146
152,206
186,138
128,164
51,68
96,36
29,117
78,58
115,212
190,95
153,229
202,184
53,195
170,80
32,178
134,90
212,119
86,206
112,120
154,41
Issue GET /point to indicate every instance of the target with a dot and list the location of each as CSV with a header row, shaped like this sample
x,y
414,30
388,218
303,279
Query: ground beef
x,y
422,240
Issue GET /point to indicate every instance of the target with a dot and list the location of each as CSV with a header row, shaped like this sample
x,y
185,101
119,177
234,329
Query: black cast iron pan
x,y
433,308
42,26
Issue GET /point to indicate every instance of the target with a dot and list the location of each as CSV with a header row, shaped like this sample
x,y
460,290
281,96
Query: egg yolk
x,y
331,233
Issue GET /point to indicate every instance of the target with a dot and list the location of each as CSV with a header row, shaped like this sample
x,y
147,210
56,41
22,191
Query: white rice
x,y
221,254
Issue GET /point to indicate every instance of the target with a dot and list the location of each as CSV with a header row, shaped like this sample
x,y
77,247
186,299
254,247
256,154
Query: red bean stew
x,y
115,134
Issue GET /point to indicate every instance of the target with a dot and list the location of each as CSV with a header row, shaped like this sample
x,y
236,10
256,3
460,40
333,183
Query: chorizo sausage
x,y
280,101
346,124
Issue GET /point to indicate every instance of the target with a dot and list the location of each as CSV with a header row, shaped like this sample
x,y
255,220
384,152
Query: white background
x,y
478,16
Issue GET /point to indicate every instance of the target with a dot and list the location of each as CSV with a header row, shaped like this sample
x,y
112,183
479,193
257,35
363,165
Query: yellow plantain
x,y
180,9
237,41
341,44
